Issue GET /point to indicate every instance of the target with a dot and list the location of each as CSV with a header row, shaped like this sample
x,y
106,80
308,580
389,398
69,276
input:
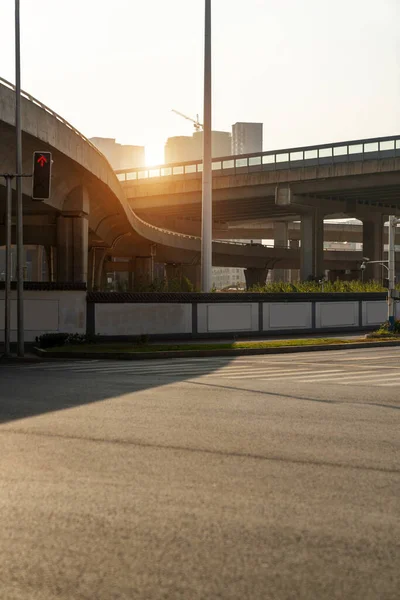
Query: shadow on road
x,y
28,391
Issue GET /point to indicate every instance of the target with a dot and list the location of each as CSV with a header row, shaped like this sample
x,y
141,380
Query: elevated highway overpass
x,y
358,179
93,216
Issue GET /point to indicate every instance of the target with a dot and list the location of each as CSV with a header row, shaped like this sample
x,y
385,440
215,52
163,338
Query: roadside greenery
x,y
179,284
385,332
59,339
316,287
185,285
126,348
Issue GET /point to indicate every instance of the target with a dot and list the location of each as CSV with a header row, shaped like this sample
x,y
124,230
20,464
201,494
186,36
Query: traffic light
x,y
41,175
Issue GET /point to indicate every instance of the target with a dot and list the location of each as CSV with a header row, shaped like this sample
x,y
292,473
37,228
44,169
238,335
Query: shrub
x,y
315,287
51,340
384,329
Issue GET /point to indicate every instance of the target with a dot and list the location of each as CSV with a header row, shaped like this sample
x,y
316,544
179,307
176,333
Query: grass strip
x,y
134,348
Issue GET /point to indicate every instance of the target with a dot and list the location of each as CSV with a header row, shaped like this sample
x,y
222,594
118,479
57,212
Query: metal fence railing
x,y
272,160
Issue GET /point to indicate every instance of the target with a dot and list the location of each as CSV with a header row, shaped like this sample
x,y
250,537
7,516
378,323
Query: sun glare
x,y
154,155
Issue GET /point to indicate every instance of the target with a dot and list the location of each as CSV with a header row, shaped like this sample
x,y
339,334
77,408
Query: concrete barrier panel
x,y
47,312
337,314
143,318
287,315
227,317
374,313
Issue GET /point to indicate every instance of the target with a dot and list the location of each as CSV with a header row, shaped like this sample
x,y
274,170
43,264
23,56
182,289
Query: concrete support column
x,y
37,263
100,278
51,262
143,275
280,240
72,248
255,276
373,247
312,246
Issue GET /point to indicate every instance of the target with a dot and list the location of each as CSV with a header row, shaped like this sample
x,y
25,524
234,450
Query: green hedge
x,y
314,286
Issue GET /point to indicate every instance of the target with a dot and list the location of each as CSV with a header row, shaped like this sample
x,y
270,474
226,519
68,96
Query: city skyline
x,y
130,64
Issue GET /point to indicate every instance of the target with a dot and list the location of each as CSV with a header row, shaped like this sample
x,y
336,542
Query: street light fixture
x,y
206,216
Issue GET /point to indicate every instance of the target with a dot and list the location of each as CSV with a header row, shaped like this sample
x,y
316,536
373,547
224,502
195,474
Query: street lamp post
x,y
206,220
19,236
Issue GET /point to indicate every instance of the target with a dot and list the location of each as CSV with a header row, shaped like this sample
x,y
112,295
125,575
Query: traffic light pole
x,y
206,217
7,291
20,238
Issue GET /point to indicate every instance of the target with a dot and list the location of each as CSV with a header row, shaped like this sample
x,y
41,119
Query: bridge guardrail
x,y
34,100
272,160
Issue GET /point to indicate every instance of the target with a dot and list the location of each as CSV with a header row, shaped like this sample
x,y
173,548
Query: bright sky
x,y
312,71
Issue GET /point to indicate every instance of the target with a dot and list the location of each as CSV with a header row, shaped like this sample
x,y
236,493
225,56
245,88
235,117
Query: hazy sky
x,y
312,71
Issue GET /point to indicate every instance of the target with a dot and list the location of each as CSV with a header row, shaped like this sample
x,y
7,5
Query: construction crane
x,y
197,124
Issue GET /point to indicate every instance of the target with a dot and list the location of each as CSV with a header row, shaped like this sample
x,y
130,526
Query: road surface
x,y
268,477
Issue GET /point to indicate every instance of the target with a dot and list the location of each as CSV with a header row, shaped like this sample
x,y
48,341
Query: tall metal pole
x,y
7,295
20,238
392,272
206,223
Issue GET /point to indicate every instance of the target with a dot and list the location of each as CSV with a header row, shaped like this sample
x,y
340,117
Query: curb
x,y
208,353
12,360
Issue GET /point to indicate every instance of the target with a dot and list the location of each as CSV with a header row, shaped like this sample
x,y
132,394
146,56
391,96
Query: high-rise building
x,y
180,149
186,148
247,138
118,155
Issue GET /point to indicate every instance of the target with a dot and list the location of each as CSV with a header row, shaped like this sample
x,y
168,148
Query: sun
x,y
154,154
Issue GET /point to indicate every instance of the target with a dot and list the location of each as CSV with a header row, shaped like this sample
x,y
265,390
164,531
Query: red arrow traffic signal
x,y
42,160
41,175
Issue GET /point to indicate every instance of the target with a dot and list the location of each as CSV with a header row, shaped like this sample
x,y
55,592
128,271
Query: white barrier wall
x,y
336,314
220,317
143,318
374,313
287,315
47,312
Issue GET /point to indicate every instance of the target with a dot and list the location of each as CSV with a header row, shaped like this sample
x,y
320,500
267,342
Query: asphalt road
x,y
272,477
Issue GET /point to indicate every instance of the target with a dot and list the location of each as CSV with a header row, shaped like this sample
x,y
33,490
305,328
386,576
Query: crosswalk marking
x,y
299,370
346,377
383,357
287,374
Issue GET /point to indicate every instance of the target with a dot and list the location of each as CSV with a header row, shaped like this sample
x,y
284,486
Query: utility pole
x,y
20,238
206,221
7,289
392,294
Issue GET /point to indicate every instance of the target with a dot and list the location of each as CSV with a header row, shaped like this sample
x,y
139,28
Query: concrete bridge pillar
x,y
51,262
281,240
312,245
72,249
73,237
37,263
373,241
255,276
